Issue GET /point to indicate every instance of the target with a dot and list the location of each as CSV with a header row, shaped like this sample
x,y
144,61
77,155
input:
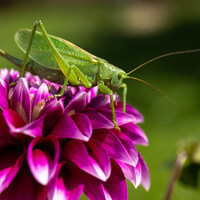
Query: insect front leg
x,y
124,86
108,91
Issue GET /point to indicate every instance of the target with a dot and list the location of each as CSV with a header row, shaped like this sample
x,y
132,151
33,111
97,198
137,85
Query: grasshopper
x,y
59,60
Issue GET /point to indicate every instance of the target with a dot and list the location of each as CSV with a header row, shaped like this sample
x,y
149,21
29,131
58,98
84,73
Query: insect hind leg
x,y
83,79
22,71
64,67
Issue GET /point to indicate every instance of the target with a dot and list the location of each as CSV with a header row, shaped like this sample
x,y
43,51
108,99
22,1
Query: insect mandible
x,y
61,61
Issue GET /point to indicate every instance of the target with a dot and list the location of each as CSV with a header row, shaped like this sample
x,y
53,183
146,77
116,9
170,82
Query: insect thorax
x,y
111,75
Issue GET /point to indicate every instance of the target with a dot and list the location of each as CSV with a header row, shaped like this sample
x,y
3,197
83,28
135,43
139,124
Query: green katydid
x,y
60,61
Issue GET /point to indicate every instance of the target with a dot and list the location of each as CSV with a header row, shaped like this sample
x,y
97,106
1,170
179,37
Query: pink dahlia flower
x,y
62,147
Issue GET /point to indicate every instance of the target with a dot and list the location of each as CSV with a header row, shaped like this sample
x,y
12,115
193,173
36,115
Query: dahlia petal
x,y
54,87
33,91
11,162
33,129
5,74
121,117
52,111
4,84
3,95
17,125
38,101
146,182
132,111
91,93
98,120
99,101
77,103
24,187
70,127
43,161
13,119
4,130
93,188
83,123
114,188
116,184
116,149
32,79
42,93
129,146
133,174
53,105
14,75
41,167
9,76
90,157
67,183
20,101
135,133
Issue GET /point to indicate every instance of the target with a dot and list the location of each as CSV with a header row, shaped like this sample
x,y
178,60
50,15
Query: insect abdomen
x,y
44,72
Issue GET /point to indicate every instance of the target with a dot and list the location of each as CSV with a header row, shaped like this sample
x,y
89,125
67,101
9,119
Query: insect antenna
x,y
162,56
153,86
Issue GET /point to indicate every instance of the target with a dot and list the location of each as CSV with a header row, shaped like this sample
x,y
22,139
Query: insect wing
x,y
41,51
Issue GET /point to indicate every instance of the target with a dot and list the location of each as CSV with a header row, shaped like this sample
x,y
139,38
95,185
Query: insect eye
x,y
120,76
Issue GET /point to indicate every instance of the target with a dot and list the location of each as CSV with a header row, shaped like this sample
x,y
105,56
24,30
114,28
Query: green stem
x,y
181,158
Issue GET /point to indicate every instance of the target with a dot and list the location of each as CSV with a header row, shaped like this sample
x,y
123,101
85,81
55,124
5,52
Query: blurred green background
x,y
128,33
